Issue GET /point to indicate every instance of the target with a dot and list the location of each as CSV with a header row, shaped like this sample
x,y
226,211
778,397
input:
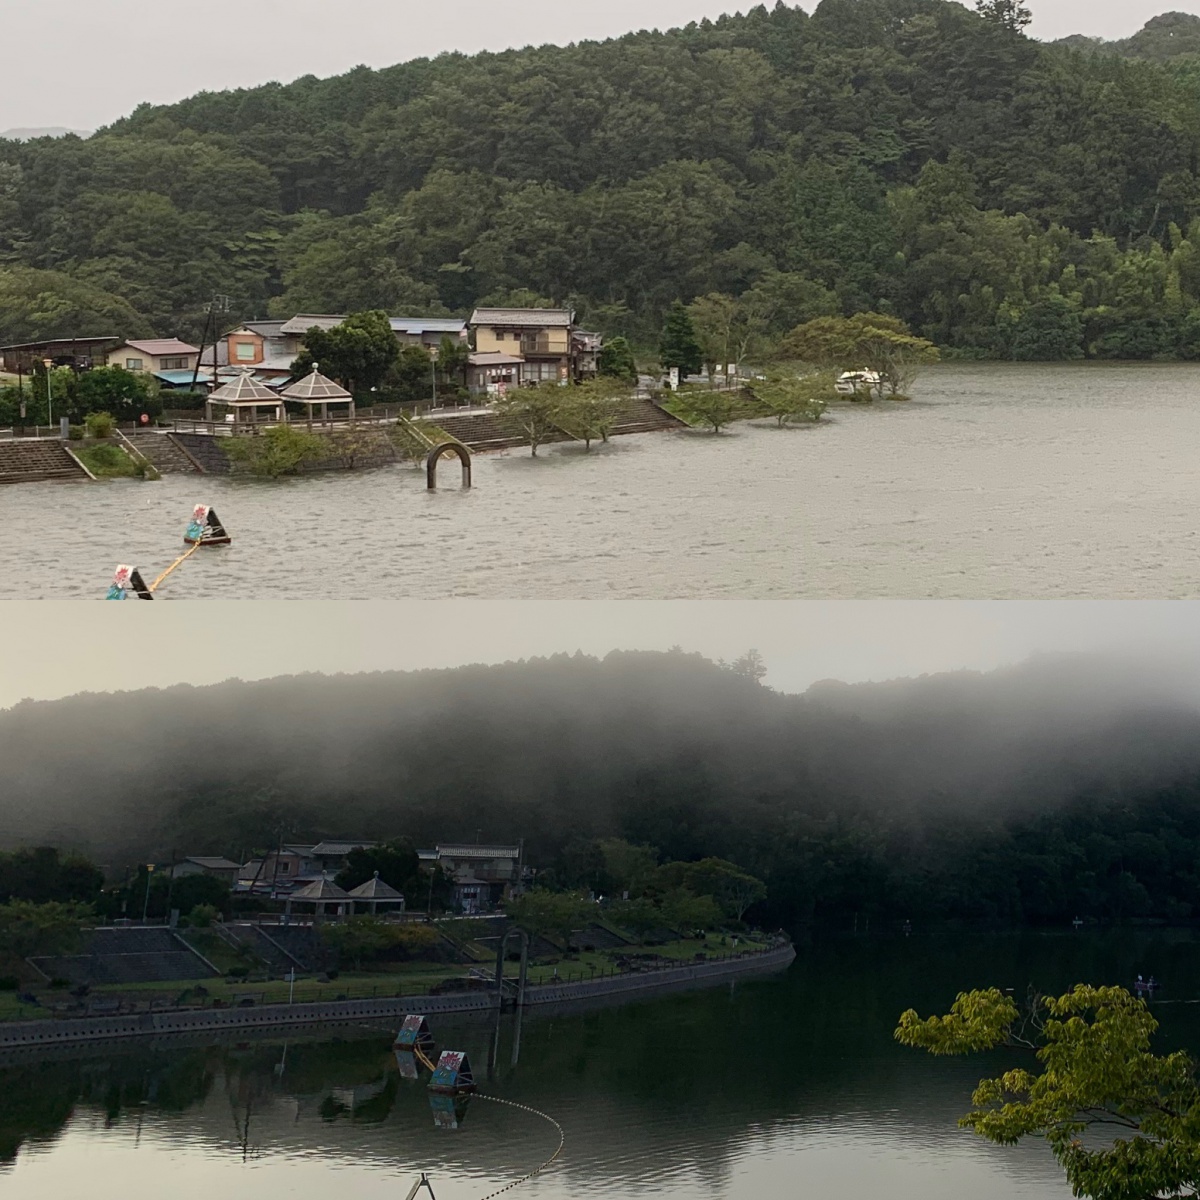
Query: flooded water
x,y
998,481
775,1088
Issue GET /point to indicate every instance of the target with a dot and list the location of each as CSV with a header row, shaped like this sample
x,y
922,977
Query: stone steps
x,y
163,453
30,460
485,431
206,450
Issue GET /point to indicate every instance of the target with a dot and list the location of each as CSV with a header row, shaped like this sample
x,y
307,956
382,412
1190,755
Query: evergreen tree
x,y
679,346
617,361
1008,14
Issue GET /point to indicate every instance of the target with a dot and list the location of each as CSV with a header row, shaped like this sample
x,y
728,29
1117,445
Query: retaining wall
x,y
18,1034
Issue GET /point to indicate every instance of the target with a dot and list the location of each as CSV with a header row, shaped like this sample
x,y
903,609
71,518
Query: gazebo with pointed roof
x,y
321,893
246,397
375,892
316,389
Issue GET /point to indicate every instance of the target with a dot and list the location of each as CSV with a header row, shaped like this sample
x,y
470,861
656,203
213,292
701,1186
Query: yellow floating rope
x,y
174,566
562,1141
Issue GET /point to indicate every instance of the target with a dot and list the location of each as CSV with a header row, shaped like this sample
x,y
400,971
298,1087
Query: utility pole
x,y
219,303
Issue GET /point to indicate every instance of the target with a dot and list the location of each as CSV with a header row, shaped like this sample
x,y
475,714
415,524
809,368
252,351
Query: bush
x,y
281,450
238,972
100,424
9,983
76,433
203,915
108,461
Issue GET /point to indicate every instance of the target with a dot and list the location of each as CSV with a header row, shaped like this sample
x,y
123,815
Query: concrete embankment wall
x,y
26,1034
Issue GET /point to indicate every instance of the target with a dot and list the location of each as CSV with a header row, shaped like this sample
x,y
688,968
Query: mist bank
x,y
1065,786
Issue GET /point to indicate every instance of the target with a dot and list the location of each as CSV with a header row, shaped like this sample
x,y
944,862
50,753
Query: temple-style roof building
x,y
316,389
246,398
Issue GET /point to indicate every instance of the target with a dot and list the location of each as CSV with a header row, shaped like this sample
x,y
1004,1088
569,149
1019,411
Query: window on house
x,y
244,351
174,364
133,364
284,868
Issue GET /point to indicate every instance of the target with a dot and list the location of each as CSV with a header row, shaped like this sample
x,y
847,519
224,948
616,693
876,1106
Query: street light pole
x,y
146,905
49,394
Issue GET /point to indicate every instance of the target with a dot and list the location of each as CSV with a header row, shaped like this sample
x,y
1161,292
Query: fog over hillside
x,y
667,749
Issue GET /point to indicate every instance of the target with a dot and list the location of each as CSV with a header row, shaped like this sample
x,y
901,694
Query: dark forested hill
x,y
1059,788
1005,197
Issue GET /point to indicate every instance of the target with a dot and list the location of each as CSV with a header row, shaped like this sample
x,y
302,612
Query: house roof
x,y
182,378
495,358
264,328
305,322
83,341
214,864
375,889
244,390
162,346
525,318
428,325
479,851
320,889
315,388
333,849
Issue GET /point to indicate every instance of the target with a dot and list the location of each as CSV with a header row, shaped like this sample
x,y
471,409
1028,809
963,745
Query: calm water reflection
x,y
1001,481
775,1088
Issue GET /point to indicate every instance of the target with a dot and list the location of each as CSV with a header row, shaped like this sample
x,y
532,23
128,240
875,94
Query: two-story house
x,y
481,876
258,344
159,357
540,337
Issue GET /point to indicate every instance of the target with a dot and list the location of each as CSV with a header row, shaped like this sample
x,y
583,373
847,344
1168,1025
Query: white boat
x,y
859,383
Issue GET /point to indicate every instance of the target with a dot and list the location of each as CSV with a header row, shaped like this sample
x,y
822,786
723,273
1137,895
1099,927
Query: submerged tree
x,y
532,413
593,409
867,341
1098,1077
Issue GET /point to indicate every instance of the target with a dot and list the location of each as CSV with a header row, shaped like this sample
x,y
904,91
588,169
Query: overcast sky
x,y
102,647
83,63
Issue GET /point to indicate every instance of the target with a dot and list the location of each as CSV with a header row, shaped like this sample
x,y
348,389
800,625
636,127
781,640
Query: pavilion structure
x,y
377,894
315,389
322,895
248,401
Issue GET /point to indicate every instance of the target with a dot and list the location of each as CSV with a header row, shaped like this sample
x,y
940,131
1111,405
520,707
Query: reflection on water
x,y
735,1092
1000,481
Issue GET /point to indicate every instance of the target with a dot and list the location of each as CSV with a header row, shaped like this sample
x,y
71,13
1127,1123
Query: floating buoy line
x,y
451,1086
203,532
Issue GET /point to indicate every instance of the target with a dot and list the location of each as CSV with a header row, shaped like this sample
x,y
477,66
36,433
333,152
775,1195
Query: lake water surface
x,y
779,1088
999,481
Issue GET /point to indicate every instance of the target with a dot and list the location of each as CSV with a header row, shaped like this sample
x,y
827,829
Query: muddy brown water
x,y
997,481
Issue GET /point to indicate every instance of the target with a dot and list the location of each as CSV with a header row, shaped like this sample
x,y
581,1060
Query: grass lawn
x,y
402,979
106,460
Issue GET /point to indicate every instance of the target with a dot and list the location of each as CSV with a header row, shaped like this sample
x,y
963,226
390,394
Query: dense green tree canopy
x,y
911,157
1030,796
1097,1076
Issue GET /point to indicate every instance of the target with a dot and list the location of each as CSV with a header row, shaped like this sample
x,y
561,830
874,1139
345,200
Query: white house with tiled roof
x,y
155,356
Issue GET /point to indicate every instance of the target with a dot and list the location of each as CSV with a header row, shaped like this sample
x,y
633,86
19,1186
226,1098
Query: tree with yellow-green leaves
x,y
867,341
1123,1122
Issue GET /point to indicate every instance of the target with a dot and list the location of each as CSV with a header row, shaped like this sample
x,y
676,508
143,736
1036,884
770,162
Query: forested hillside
x,y
1064,787
1004,197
